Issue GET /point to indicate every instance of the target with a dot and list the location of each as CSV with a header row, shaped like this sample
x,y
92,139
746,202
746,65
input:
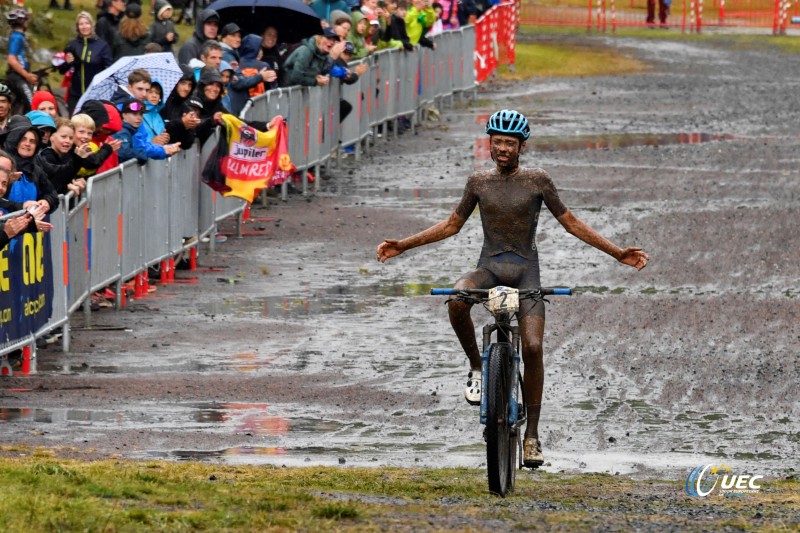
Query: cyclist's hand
x,y
635,257
388,249
32,78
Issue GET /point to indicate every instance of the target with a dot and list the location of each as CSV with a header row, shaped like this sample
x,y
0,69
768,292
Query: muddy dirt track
x,y
293,346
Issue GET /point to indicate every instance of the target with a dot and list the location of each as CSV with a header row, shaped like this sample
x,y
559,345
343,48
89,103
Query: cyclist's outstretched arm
x,y
632,256
444,229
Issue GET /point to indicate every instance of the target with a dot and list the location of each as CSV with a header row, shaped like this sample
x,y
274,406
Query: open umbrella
x,y
162,67
293,19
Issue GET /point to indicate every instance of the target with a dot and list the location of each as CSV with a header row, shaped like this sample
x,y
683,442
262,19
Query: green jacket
x,y
304,64
418,23
359,41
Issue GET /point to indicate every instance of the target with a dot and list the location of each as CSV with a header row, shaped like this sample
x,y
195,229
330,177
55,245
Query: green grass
x,y
544,60
42,492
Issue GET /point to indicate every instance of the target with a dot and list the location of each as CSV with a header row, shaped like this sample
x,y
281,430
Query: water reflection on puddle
x,y
340,299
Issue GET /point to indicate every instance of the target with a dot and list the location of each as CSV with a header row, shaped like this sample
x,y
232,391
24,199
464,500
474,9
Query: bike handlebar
x,y
546,291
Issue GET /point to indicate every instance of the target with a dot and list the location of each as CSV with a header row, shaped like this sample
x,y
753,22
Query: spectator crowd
x,y
45,155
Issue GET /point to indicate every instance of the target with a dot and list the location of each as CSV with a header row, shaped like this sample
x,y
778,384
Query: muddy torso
x,y
509,207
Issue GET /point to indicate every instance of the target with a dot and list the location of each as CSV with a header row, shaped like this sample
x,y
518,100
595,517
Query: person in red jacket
x,y
103,135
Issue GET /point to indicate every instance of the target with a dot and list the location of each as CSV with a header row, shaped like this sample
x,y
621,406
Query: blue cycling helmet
x,y
509,122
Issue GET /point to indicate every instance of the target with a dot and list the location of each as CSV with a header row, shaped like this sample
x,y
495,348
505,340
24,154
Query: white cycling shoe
x,y
473,391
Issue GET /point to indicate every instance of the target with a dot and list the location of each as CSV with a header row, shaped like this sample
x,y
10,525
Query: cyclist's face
x,y
49,108
27,146
505,150
61,140
5,105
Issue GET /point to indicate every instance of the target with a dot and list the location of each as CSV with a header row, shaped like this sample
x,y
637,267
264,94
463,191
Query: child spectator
x,y
179,124
133,34
135,144
358,35
226,73
56,160
84,131
46,102
152,122
162,29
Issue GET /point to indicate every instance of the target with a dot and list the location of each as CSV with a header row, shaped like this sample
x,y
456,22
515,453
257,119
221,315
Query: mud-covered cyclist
x,y
510,198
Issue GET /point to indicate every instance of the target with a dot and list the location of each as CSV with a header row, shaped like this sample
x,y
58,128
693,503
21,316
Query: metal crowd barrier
x,y
135,216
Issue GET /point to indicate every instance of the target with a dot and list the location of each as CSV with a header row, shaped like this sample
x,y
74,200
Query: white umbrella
x,y
161,66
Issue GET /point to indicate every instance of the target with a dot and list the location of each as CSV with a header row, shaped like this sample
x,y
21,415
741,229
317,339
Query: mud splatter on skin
x,y
693,360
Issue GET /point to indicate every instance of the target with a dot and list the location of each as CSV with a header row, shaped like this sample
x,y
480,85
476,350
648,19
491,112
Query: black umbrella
x,y
293,19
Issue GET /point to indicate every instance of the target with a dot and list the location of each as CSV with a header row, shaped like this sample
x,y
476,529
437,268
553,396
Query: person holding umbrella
x,y
86,55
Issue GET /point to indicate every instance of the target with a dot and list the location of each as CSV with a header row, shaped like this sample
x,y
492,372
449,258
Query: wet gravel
x,y
295,347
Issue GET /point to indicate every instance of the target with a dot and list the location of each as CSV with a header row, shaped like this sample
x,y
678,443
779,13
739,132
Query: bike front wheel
x,y
500,436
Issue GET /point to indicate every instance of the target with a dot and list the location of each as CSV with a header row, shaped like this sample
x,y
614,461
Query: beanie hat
x,y
337,14
42,96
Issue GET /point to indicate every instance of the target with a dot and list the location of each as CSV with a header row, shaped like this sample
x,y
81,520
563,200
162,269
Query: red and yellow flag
x,y
255,159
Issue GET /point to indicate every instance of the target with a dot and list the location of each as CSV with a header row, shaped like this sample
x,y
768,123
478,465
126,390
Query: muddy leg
x,y
532,332
462,324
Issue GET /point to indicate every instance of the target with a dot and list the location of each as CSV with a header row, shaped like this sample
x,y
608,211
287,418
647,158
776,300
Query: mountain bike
x,y
503,407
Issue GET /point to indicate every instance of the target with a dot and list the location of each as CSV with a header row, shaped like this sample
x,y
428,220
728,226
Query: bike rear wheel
x,y
501,441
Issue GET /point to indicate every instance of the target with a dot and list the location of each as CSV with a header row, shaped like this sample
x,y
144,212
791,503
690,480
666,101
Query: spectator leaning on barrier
x,y
162,29
32,185
397,26
92,156
419,19
132,36
135,144
206,27
381,34
57,159
86,55
209,92
108,20
350,77
181,124
309,63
